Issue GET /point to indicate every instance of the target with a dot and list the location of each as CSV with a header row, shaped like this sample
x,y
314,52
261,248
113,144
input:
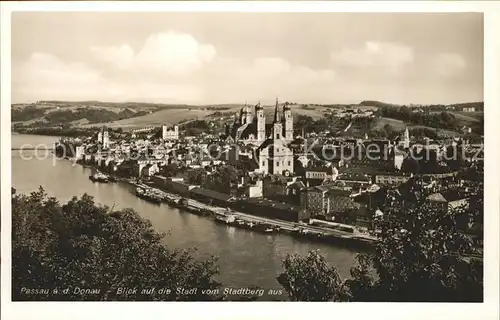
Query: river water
x,y
246,258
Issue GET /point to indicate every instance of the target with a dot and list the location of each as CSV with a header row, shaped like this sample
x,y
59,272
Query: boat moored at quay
x,y
148,195
315,230
99,177
338,236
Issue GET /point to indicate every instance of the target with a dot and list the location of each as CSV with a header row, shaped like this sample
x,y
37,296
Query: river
x,y
246,258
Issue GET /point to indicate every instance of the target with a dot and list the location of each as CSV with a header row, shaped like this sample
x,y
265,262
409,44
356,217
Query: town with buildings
x,y
244,152
266,175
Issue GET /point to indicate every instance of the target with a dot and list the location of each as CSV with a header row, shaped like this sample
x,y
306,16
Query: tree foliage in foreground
x,y
421,257
310,278
86,246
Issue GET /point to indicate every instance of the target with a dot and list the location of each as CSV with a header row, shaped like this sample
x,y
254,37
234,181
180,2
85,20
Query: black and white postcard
x,y
250,152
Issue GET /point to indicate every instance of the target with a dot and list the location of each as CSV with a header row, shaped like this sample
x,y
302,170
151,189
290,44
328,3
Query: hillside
x,y
131,115
374,103
129,105
172,116
45,115
168,116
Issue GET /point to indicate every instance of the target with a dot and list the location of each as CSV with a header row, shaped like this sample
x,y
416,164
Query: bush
x,y
83,245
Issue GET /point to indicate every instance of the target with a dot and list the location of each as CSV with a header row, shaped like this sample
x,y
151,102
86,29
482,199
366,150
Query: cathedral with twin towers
x,y
250,124
270,139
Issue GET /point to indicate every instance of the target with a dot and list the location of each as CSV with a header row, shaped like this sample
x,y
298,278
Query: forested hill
x,y
479,105
91,103
58,116
373,103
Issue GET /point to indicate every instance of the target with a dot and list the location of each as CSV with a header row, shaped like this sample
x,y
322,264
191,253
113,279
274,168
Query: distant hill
x,y
163,116
47,115
479,105
373,103
131,105
177,115
139,114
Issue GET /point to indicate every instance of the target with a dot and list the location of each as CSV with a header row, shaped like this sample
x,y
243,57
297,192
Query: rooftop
x,y
447,196
270,203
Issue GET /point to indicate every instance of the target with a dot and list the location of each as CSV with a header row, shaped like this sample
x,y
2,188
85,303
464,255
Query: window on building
x,y
289,163
263,163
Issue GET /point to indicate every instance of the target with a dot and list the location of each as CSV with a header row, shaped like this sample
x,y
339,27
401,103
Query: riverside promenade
x,y
319,233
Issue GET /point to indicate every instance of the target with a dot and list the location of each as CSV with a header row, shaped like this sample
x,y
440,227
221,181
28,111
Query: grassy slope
x,y
313,113
396,124
52,108
467,118
399,125
171,116
176,114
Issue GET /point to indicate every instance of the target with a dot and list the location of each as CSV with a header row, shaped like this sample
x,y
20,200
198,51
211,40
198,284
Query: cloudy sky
x,y
200,58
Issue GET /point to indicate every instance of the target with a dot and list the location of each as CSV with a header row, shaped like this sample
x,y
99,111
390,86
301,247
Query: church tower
x,y
288,120
99,136
105,139
243,115
261,122
249,115
277,126
406,138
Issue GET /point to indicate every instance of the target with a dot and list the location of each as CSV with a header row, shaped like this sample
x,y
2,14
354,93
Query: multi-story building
x,y
392,179
171,133
449,200
317,175
323,200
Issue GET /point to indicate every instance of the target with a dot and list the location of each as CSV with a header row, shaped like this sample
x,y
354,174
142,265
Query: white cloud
x,y
169,53
449,64
120,56
164,92
43,66
46,77
177,68
265,78
375,54
173,53
169,67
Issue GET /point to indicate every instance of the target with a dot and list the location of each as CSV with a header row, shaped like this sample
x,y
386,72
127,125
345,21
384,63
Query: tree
x,y
86,246
303,121
389,130
196,176
422,255
222,180
310,278
170,170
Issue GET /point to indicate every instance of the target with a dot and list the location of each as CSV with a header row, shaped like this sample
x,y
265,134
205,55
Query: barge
x,y
148,195
99,177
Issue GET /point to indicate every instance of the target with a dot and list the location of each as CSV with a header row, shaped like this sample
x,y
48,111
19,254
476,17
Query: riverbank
x,y
325,234
246,257
317,233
